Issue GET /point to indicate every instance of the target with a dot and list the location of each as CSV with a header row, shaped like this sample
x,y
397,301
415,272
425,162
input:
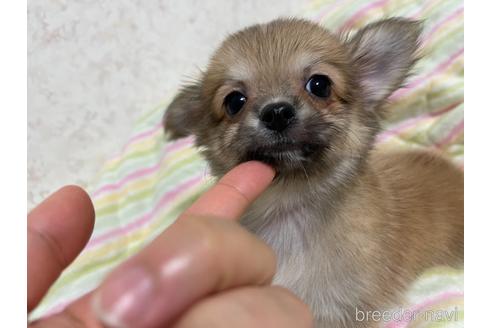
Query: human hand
x,y
205,270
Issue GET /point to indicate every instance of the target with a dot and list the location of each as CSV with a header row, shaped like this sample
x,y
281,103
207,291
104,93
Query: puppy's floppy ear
x,y
383,54
183,114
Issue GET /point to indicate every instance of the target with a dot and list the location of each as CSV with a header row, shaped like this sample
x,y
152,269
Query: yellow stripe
x,y
150,180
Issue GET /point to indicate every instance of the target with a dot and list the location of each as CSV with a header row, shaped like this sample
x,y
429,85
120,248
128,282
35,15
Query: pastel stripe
x,y
350,22
142,172
441,67
405,125
180,159
457,130
141,136
449,19
423,10
328,9
132,206
146,217
142,150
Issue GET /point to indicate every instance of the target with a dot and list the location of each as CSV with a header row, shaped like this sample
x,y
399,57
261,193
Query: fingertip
x,y
259,166
251,178
258,170
76,195
69,208
234,192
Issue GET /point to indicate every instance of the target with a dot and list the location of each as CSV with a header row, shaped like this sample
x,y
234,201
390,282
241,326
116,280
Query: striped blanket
x,y
141,190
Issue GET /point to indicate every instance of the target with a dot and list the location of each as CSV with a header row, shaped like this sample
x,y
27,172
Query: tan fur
x,y
403,214
352,226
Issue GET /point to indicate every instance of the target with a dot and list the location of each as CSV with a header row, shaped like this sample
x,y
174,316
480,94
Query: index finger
x,y
234,192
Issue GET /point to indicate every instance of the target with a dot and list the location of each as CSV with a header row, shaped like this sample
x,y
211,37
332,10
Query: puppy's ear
x,y
183,114
383,54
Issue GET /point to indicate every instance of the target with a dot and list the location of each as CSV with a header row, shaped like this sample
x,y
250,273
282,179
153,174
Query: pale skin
x,y
203,271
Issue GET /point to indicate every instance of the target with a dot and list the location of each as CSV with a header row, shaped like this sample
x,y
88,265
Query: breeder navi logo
x,y
407,315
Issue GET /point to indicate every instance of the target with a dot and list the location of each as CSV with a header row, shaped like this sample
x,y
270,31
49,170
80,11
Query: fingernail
x,y
124,299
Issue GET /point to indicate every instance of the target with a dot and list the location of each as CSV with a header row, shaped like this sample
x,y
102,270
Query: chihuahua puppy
x,y
351,225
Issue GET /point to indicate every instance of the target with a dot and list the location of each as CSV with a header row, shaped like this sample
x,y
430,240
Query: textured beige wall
x,y
94,66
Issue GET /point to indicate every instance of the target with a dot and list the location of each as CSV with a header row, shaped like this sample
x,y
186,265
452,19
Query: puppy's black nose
x,y
277,116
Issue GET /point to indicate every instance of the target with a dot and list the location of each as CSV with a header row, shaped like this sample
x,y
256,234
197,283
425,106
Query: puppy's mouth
x,y
284,156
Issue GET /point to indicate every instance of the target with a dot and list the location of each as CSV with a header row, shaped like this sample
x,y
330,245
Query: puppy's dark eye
x,y
234,102
319,85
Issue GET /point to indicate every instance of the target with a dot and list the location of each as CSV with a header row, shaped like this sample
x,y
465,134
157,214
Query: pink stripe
x,y
136,138
348,24
401,92
143,135
135,224
179,144
418,307
446,20
412,122
452,135
172,147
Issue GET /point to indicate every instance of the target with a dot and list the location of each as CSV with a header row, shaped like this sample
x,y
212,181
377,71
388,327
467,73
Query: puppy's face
x,y
293,95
